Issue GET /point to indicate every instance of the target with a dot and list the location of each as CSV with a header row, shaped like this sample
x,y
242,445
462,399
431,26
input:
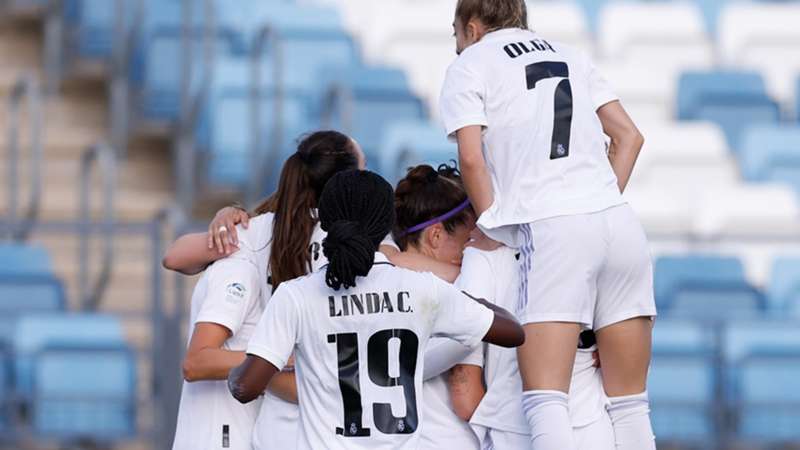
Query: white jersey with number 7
x,y
543,142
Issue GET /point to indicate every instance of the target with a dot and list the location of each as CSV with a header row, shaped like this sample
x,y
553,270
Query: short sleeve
x,y
462,100
278,330
599,87
257,235
475,358
459,317
233,289
476,275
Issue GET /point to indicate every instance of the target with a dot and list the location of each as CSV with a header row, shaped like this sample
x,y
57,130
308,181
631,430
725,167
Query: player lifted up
x,y
531,118
360,327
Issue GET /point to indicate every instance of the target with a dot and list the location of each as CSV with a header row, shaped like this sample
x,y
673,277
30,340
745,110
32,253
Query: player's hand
x,y
222,230
596,358
482,242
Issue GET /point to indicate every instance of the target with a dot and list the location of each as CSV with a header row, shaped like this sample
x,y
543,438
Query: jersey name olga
x,y
369,303
516,49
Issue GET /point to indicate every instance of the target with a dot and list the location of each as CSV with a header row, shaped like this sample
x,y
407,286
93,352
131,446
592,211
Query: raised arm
x,y
191,253
205,358
284,385
505,330
626,140
473,168
421,263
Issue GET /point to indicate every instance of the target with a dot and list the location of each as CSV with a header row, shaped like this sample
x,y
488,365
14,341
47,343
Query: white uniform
x,y
499,421
277,424
359,352
555,192
228,294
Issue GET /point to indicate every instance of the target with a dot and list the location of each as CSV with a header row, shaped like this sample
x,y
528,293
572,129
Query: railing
x,y
119,88
105,157
191,104
24,89
266,36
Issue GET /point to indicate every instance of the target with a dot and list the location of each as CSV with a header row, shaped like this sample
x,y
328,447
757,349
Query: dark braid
x,y
356,209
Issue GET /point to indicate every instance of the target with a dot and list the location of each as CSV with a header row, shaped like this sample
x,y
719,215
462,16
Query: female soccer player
x,y
434,222
359,328
281,243
531,117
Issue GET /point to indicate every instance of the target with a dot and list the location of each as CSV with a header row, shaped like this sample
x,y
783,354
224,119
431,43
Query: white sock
x,y
630,416
548,416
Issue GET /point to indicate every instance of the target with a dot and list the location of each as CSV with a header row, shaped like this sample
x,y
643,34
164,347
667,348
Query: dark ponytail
x,y
357,211
319,156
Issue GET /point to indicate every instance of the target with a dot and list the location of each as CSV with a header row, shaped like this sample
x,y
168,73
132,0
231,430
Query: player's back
x,y
359,352
543,141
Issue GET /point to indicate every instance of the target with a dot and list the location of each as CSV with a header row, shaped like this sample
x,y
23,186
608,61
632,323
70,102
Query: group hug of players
x,y
505,305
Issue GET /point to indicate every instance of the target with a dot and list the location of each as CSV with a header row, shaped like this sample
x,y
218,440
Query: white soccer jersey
x,y
494,276
359,352
277,424
228,294
543,142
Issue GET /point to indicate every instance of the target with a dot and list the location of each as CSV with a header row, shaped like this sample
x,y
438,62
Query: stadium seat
x,y
25,294
763,36
646,92
783,290
407,144
17,259
706,287
766,409
662,212
669,36
772,153
688,155
35,332
371,98
564,22
747,210
683,336
84,392
733,100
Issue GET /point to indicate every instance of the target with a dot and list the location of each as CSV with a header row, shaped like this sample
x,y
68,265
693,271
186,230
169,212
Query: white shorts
x,y
598,435
593,269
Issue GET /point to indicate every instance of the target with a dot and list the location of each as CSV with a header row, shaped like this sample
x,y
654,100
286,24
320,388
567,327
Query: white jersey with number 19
x,y
543,142
360,351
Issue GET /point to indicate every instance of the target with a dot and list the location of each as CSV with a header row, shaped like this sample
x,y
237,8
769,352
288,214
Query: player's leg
x,y
598,435
557,289
623,323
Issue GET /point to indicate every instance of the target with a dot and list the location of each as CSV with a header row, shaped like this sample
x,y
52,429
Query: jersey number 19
x,y
562,117
378,369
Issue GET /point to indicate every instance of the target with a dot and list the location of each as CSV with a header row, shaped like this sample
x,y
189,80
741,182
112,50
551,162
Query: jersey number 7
x,y
378,369
562,117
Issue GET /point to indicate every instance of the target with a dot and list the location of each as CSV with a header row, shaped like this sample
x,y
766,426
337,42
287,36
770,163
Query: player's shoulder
x,y
489,258
258,234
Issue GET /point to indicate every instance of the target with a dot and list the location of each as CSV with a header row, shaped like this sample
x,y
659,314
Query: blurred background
x,y
126,122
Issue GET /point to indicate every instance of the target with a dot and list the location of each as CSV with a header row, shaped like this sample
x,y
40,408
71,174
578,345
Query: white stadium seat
x,y
766,37
747,211
663,36
647,93
661,210
564,22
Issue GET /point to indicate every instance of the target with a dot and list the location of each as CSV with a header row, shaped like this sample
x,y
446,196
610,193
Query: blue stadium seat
x,y
705,286
407,144
26,294
797,103
783,291
767,406
772,153
91,27
371,99
733,100
84,392
18,259
683,355
35,332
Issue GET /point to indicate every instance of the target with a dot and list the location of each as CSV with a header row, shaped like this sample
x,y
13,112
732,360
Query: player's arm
x,y
473,168
421,263
505,330
466,389
626,140
284,386
191,253
206,359
249,380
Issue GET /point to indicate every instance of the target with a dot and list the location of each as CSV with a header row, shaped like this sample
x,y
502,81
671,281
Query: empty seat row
x,y
707,381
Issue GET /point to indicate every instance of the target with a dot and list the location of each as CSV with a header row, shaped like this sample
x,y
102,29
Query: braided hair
x,y
356,209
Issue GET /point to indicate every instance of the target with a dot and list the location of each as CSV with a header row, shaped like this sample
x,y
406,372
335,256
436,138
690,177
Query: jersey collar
x,y
502,32
380,258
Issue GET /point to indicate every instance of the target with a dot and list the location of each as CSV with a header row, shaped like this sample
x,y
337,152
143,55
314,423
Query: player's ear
x,y
474,30
433,235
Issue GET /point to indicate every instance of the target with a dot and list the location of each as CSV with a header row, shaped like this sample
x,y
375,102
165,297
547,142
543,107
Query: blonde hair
x,y
494,14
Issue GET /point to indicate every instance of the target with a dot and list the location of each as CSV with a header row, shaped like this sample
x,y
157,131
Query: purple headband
x,y
439,219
